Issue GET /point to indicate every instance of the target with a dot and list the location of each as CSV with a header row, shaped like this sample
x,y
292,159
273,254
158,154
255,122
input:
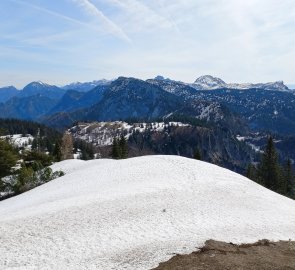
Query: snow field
x,y
135,213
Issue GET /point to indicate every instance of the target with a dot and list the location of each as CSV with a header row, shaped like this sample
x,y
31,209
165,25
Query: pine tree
x,y
115,149
34,145
197,155
8,158
269,170
288,178
25,180
123,147
57,152
251,172
90,151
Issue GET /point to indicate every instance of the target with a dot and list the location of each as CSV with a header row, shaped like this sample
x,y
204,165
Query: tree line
x,y
22,169
270,174
119,148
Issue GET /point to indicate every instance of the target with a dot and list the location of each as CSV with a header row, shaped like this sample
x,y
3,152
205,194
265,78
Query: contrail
x,y
112,27
69,19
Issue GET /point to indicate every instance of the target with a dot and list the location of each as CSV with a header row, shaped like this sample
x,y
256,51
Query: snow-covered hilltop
x,y
136,213
208,82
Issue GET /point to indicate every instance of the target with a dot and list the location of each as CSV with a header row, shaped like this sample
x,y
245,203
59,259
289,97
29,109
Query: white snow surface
x,y
19,140
136,213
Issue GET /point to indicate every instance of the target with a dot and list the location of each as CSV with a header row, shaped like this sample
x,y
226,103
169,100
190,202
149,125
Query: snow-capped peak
x,y
209,82
37,84
86,86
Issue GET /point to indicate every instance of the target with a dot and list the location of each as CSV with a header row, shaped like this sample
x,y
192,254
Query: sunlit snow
x,y
135,213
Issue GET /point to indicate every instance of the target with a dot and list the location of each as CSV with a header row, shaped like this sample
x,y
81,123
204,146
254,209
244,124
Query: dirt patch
x,y
263,255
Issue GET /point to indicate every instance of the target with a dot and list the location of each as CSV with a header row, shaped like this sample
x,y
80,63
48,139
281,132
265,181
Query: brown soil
x,y
263,255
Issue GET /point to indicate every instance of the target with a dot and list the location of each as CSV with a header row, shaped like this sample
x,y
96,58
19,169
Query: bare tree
x,y
67,146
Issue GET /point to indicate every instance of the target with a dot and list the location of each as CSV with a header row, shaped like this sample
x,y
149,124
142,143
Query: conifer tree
x,y
251,172
115,149
288,178
197,155
57,152
269,170
8,158
123,147
34,145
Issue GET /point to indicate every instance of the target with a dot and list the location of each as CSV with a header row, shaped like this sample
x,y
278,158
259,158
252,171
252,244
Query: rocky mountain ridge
x,y
261,109
209,82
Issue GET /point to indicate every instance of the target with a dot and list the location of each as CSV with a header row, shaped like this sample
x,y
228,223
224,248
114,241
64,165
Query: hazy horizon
x,y
20,87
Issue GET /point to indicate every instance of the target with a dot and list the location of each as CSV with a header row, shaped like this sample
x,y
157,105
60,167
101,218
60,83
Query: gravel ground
x,y
263,255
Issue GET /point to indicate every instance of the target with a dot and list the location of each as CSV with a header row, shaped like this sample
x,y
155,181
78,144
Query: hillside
x,y
136,213
15,126
216,145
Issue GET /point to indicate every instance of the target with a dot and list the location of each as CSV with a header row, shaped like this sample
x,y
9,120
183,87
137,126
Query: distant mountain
x,y
34,88
86,86
179,89
29,108
124,98
161,78
291,86
209,82
75,100
268,107
68,102
263,110
7,92
129,98
133,98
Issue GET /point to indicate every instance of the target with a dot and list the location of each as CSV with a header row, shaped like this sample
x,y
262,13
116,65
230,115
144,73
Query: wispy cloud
x,y
53,13
111,26
94,27
144,15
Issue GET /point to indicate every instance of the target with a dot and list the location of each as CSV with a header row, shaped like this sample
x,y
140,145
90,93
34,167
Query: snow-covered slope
x,y
135,213
20,140
86,86
103,133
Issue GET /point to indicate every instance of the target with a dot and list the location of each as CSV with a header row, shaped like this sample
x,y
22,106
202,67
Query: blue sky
x,y
61,41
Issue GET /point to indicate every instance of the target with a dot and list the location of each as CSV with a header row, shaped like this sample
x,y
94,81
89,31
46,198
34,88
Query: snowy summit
x,y
208,82
136,213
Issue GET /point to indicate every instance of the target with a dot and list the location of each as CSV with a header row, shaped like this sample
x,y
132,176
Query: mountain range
x,y
259,107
